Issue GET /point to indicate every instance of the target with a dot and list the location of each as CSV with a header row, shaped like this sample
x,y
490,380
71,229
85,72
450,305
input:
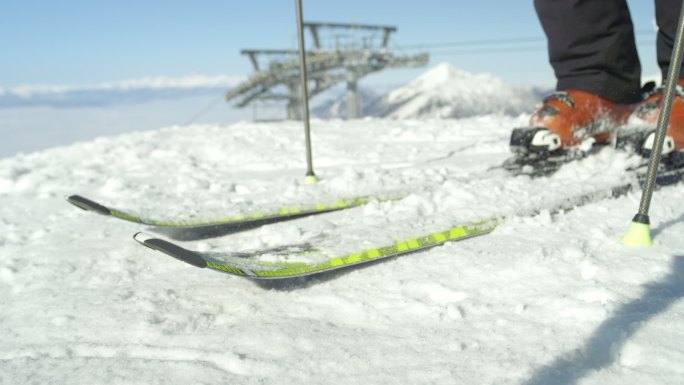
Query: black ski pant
x,y
591,44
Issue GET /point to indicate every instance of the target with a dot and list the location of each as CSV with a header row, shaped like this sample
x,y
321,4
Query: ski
x,y
190,229
288,262
306,259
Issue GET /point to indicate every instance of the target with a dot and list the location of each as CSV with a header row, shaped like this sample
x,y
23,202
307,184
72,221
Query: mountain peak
x,y
441,72
448,92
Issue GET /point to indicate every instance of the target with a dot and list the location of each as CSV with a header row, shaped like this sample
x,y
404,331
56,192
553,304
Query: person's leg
x,y
591,47
667,17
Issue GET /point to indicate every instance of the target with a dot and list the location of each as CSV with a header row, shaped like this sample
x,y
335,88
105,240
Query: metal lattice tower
x,y
340,53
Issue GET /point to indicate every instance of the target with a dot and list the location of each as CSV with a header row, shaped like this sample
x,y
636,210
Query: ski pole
x,y
310,177
639,233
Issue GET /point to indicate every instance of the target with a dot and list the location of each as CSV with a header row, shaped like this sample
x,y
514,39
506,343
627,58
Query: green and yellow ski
x,y
302,260
195,229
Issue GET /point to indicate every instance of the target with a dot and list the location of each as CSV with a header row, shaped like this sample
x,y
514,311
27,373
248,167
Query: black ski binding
x,y
537,157
639,140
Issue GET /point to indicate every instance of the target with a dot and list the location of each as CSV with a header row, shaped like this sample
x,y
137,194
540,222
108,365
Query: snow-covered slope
x,y
546,299
448,92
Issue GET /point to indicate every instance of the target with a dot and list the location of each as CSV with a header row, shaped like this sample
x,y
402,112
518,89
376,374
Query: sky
x,y
88,42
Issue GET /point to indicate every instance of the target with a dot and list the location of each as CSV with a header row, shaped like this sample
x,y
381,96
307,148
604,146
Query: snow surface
x,y
544,299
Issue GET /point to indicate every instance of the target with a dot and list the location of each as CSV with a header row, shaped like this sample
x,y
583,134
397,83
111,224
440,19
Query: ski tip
x,y
170,249
88,205
142,237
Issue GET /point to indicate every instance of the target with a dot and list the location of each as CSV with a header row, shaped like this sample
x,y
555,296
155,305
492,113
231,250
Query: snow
x,y
547,298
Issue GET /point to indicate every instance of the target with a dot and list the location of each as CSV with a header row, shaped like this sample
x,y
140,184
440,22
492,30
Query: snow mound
x,y
448,92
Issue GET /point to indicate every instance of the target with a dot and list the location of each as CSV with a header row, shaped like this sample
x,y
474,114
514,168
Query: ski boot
x,y
564,128
639,134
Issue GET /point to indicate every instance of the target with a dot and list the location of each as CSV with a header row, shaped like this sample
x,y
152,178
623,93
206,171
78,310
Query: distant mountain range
x,y
124,92
441,92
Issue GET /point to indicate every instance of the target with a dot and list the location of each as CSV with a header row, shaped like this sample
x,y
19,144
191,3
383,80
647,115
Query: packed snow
x,y
549,297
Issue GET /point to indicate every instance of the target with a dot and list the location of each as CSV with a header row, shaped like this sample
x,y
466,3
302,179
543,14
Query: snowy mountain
x,y
448,92
441,92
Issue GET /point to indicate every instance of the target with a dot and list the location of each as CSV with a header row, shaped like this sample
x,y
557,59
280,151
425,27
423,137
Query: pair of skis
x,y
306,259
250,265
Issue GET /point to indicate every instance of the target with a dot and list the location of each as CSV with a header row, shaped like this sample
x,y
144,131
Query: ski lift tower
x,y
341,53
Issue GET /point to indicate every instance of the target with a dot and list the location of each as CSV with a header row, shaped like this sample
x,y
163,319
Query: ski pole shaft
x,y
664,117
310,176
639,233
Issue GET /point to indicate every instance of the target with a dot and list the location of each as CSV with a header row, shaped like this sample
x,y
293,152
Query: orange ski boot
x,y
564,128
645,118
567,119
